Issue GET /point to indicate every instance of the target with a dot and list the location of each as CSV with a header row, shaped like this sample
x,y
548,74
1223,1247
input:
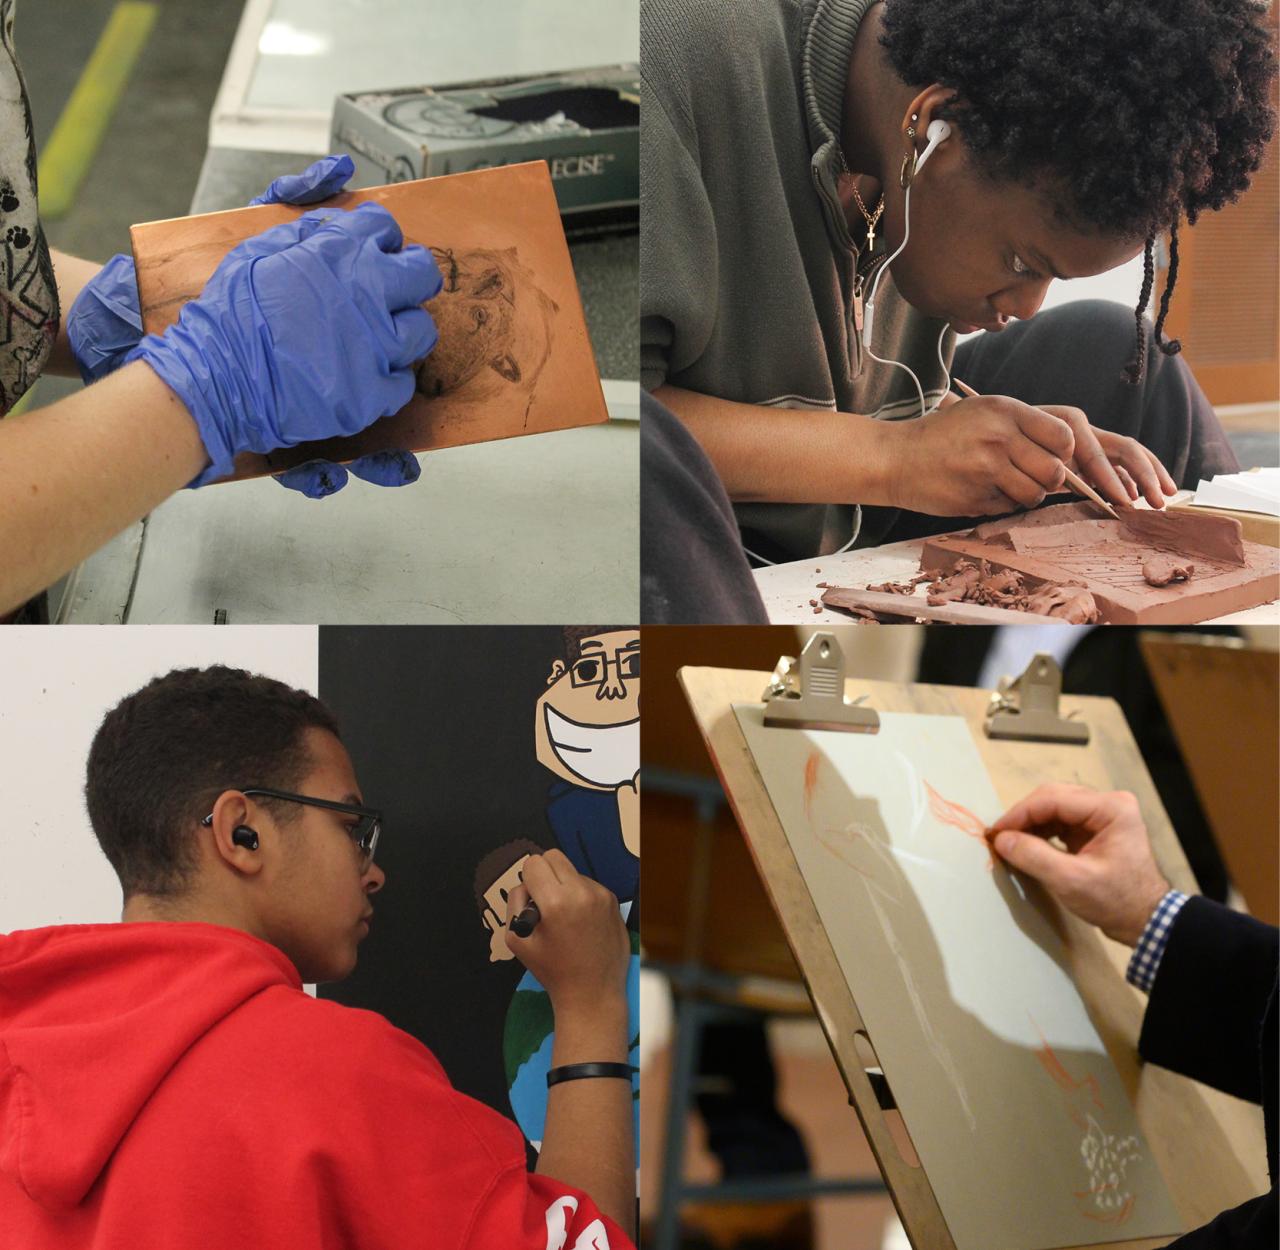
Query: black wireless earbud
x,y
242,835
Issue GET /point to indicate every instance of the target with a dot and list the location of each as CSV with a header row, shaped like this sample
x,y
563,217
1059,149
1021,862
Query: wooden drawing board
x,y
1220,696
513,356
1209,1147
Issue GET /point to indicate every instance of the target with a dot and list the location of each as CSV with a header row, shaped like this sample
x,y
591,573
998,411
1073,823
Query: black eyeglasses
x,y
591,670
364,833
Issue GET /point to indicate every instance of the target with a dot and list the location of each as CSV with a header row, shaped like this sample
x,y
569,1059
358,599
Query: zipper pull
x,y
857,303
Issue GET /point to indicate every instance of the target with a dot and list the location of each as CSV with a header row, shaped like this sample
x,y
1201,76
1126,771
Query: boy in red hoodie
x,y
167,1081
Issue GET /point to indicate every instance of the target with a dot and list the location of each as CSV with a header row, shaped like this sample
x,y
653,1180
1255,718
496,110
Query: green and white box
x,y
584,123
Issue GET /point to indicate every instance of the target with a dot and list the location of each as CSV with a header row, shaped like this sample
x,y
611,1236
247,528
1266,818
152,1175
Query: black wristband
x,y
580,1071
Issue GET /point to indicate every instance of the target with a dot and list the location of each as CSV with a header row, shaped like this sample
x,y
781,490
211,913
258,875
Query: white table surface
x,y
542,529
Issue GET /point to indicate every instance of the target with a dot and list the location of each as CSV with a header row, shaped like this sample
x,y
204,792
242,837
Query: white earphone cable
x,y
867,326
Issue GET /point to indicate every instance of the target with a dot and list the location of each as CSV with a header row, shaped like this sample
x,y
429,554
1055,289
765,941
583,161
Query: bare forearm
x,y
77,472
588,1138
72,274
785,455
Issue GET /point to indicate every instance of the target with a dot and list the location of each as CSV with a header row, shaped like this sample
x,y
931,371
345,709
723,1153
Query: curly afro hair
x,y
1136,112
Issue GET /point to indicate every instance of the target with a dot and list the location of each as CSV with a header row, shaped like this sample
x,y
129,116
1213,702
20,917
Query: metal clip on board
x,y
809,693
1026,707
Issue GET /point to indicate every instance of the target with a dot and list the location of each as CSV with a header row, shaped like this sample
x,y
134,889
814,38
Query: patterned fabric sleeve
x,y
1145,962
28,291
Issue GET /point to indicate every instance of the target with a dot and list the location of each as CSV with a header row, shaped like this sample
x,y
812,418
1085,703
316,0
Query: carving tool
x,y
1074,480
525,920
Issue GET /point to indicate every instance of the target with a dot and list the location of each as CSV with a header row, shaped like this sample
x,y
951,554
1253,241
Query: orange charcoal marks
x,y
811,766
1053,1066
1073,1088
839,842
948,813
1113,1217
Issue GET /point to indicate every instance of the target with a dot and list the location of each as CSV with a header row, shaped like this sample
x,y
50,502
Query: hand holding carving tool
x,y
1074,480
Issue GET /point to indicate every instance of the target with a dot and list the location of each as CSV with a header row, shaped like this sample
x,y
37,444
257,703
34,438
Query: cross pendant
x,y
871,236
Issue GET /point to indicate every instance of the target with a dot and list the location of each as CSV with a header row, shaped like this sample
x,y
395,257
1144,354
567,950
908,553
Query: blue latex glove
x,y
307,331
319,478
317,182
104,324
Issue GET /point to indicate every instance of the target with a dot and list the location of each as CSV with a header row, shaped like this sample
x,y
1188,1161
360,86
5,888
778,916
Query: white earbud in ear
x,y
938,132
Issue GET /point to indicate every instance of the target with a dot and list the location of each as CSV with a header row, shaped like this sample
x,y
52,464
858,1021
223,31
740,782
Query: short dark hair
x,y
575,635
497,861
162,756
1138,112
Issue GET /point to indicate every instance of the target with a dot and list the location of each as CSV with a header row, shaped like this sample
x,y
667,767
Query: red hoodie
x,y
172,1085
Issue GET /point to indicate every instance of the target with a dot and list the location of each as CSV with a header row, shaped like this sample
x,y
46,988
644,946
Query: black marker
x,y
525,920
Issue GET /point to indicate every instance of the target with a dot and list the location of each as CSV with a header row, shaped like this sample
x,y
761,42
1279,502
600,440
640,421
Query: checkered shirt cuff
x,y
1145,962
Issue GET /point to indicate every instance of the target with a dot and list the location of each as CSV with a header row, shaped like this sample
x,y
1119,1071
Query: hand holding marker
x,y
578,947
525,920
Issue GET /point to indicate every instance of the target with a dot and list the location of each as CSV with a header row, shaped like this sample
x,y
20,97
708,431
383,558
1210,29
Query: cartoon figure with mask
x,y
587,731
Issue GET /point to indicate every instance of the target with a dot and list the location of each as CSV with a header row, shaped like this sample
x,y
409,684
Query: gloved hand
x,y
104,325
317,182
318,478
307,331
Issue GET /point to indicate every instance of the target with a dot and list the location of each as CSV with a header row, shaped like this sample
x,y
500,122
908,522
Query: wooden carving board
x,y
1066,543
513,355
1209,1146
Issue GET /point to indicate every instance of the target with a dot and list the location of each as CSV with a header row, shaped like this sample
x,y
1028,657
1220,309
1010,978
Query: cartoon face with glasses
x,y
587,732
588,719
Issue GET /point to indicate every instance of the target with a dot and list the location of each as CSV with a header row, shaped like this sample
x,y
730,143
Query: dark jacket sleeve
x,y
1211,994
1212,1017
692,568
1250,1226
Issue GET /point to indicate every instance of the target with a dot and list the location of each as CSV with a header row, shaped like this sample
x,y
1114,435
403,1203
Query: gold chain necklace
x,y
871,218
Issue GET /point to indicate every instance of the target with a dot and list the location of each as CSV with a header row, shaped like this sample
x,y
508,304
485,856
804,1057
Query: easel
x,y
1208,1146
1220,696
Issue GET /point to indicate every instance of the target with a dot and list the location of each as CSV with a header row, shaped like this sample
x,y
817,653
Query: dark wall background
x,y
439,723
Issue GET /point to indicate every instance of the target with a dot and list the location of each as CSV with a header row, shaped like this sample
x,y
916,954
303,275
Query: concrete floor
x,y
150,157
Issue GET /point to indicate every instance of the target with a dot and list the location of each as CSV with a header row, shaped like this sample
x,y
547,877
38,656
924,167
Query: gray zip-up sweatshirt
x,y
747,266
